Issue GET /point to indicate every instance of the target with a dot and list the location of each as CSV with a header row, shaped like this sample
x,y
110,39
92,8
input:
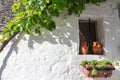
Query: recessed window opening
x,y
89,43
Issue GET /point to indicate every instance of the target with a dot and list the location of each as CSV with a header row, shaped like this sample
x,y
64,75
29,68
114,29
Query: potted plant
x,y
95,68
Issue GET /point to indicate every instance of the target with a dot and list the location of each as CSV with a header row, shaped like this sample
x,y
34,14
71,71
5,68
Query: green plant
x,y
100,64
94,71
84,63
33,15
117,64
97,64
103,63
93,62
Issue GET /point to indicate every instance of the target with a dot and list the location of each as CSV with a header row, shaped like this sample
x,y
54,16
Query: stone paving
x,y
5,12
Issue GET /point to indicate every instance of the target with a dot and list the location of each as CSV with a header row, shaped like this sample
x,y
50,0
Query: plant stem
x,y
7,41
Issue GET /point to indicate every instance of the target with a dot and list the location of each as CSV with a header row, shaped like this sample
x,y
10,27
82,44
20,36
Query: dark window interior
x,y
88,30
87,33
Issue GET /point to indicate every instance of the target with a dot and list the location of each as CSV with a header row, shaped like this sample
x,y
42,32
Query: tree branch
x,y
7,41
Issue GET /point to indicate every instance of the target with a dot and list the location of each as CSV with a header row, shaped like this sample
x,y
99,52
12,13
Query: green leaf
x,y
2,40
94,71
117,64
42,4
59,4
50,25
16,6
37,31
47,1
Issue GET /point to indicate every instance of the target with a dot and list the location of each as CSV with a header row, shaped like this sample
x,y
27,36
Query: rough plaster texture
x,y
54,55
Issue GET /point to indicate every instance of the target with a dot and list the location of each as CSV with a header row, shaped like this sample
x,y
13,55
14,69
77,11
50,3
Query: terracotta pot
x,y
84,47
109,67
100,73
89,66
97,48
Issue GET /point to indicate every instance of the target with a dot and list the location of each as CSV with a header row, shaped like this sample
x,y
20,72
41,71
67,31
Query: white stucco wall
x,y
54,55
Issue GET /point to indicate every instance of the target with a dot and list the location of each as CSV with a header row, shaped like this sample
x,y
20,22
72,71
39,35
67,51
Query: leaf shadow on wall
x,y
12,48
66,35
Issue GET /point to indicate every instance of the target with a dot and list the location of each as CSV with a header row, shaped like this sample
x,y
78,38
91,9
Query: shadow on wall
x,y
119,49
111,41
66,35
12,48
118,6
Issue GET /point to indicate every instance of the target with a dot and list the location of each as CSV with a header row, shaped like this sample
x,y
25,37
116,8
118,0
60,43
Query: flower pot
x,y
109,66
97,48
89,66
97,68
100,73
84,47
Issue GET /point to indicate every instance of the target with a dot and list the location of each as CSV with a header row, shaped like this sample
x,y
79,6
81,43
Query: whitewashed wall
x,y
54,55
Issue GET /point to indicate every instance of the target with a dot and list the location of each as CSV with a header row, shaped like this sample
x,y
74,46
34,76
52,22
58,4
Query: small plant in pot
x,y
95,68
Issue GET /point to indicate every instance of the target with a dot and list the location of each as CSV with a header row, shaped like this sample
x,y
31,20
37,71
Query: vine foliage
x,y
33,15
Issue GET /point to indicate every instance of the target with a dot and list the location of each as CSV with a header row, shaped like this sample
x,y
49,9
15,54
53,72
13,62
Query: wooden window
x,y
88,37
